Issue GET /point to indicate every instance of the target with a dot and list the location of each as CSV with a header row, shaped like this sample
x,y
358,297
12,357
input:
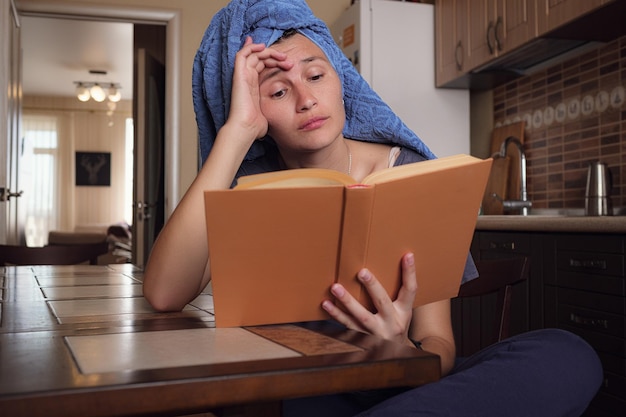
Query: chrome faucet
x,y
523,203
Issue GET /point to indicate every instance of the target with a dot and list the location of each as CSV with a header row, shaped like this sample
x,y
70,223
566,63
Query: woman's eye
x,y
279,94
317,77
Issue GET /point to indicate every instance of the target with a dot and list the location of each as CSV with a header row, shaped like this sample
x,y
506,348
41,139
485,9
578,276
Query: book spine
x,y
355,234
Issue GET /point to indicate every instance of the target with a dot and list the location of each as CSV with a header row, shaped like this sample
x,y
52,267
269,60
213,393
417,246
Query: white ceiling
x,y
57,52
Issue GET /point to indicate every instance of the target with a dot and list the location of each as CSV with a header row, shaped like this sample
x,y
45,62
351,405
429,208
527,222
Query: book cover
x,y
278,241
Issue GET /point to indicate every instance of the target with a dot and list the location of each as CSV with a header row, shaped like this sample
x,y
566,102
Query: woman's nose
x,y
306,99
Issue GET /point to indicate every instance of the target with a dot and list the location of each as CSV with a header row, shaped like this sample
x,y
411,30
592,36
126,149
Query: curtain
x,y
39,165
45,165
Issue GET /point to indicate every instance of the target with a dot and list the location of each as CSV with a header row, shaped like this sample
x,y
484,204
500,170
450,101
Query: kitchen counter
x,y
553,223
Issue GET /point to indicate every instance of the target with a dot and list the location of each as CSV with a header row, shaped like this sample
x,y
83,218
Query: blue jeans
x,y
543,373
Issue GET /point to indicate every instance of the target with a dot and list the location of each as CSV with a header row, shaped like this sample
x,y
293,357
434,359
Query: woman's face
x,y
303,106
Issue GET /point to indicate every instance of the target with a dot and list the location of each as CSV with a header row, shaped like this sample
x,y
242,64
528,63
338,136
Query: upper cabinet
x,y
553,13
497,27
468,37
515,23
471,35
451,27
481,40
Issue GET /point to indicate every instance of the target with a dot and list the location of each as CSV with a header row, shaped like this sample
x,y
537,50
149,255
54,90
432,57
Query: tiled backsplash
x,y
575,112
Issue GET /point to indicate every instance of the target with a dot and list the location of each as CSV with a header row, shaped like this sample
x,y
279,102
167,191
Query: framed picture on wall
x,y
93,169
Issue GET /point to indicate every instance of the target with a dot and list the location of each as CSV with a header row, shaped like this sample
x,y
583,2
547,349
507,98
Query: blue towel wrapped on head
x,y
368,118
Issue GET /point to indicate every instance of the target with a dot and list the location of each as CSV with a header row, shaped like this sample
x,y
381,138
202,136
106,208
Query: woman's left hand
x,y
392,319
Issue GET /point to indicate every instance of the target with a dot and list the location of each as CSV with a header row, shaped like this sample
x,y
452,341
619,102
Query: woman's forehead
x,y
298,43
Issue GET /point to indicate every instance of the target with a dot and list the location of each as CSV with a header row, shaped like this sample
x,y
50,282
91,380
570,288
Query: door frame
x,y
148,193
10,107
172,20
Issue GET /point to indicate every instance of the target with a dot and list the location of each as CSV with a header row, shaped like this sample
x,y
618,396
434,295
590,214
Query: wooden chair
x,y
52,255
497,276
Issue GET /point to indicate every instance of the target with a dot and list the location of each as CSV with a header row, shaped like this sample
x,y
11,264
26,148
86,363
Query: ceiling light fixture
x,y
96,90
97,93
82,92
114,94
86,90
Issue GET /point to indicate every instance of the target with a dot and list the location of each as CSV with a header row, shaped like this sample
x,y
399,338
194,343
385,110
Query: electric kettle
x,y
598,192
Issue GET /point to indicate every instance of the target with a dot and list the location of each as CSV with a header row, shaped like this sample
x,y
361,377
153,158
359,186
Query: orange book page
x,y
305,177
418,168
310,177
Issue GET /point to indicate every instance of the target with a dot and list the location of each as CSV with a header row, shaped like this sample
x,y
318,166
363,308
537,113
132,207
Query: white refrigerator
x,y
392,44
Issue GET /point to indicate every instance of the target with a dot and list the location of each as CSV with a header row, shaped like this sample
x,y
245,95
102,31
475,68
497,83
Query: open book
x,y
279,240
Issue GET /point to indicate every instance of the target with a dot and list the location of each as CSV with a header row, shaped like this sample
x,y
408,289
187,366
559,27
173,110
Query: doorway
x,y
168,20
64,136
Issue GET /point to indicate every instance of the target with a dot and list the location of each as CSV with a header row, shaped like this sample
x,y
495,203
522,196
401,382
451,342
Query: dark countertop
x,y
553,223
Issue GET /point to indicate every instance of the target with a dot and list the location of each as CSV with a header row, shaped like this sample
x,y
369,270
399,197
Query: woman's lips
x,y
313,123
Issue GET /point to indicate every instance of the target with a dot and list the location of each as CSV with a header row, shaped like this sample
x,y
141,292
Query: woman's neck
x,y
355,158
368,157
337,156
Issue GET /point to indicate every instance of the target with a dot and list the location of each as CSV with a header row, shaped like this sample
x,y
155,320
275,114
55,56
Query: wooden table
x,y
82,341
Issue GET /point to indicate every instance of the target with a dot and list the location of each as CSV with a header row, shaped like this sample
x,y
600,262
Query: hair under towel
x,y
368,118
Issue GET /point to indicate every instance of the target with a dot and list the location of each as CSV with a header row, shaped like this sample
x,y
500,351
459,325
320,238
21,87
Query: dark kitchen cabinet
x,y
585,293
577,282
473,317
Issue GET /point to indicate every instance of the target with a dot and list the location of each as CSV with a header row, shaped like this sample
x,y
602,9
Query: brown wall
x,y
558,150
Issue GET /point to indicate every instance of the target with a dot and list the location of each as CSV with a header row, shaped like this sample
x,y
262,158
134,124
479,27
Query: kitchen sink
x,y
564,212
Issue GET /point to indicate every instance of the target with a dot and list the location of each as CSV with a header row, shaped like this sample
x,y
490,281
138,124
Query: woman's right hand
x,y
245,110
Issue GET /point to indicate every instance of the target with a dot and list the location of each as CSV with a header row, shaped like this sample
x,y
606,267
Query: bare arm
x,y
432,326
178,268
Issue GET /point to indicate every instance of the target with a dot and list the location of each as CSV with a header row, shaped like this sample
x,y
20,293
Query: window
x,y
38,174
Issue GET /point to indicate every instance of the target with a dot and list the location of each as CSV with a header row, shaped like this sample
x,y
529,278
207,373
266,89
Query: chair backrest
x,y
497,276
52,255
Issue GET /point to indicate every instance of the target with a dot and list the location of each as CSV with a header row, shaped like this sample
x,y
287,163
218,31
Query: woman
x,y
292,105
292,93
